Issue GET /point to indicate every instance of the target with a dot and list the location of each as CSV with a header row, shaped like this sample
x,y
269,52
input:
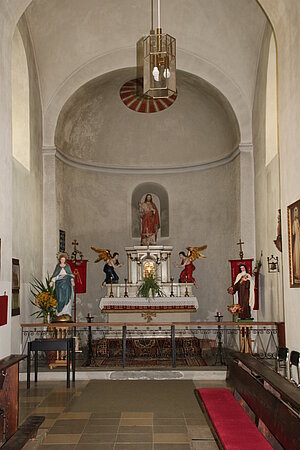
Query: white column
x,y
50,231
247,205
6,179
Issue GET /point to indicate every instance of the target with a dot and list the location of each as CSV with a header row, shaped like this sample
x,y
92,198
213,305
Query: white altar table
x,y
158,309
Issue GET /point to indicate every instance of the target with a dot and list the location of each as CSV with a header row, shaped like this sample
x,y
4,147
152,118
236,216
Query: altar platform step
x,y
208,373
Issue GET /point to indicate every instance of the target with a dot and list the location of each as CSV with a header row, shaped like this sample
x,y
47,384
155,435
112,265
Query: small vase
x,y
45,317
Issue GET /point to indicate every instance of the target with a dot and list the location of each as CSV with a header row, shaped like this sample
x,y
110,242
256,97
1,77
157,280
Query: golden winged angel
x,y
111,263
187,265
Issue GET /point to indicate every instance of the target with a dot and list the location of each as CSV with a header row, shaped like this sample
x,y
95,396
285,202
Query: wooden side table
x,y
44,345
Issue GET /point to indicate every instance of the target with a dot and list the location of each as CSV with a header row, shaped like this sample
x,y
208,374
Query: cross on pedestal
x,y
240,243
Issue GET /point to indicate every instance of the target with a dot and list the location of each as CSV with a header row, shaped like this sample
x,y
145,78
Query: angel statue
x,y
111,263
187,265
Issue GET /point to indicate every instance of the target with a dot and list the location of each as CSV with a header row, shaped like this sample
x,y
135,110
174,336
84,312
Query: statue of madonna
x,y
63,279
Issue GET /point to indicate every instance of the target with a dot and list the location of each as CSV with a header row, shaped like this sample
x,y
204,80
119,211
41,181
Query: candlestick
x,y
172,291
111,295
125,291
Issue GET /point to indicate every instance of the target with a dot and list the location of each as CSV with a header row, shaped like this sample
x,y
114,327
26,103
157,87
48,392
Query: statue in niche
x,y
244,286
63,279
186,275
150,221
111,263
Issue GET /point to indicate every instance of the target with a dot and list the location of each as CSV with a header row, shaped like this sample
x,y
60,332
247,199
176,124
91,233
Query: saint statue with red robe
x,y
150,221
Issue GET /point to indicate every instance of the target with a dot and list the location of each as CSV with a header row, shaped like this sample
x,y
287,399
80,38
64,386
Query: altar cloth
x,y
155,304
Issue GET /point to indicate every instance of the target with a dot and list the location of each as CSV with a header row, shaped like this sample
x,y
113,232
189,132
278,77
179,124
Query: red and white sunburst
x,y
132,96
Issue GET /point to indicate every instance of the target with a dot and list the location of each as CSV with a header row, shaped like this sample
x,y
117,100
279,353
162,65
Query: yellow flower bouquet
x,y
44,299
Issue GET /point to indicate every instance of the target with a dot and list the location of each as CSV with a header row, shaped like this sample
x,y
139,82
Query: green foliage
x,y
45,303
150,285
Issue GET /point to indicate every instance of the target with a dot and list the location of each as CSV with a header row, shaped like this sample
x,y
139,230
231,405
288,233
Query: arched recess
x,y
159,191
20,102
118,59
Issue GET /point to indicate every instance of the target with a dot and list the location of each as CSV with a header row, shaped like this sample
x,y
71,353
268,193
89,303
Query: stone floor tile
x,y
48,423
169,421
104,421
99,446
168,414
199,432
136,430
170,438
136,422
136,415
196,421
57,447
62,439
30,400
172,447
68,429
74,415
134,438
204,445
100,429
97,438
106,415
170,429
122,446
48,409
71,422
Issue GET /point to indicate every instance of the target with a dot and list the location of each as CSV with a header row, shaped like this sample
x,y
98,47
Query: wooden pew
x,y
9,394
230,424
273,399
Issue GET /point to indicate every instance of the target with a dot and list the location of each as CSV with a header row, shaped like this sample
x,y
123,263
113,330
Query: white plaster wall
x,y
204,209
267,201
285,18
27,211
5,174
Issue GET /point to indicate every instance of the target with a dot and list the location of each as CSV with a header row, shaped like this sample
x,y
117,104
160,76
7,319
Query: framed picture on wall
x,y
15,303
293,212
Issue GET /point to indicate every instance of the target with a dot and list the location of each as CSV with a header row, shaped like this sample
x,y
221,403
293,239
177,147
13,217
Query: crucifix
x,y
75,243
240,243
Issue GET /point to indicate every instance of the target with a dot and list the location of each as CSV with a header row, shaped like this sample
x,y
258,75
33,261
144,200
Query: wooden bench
x,y
231,426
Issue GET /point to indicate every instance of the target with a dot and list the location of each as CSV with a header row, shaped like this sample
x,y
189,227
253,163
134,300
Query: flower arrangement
x,y
235,308
150,284
44,299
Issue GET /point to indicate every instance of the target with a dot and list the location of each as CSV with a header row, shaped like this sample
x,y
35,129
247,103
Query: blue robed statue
x,y
63,279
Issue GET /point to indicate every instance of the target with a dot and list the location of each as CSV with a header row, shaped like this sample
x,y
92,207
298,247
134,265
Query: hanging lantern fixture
x,y
159,68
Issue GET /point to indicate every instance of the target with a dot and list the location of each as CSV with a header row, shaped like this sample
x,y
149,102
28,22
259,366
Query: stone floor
x,y
118,415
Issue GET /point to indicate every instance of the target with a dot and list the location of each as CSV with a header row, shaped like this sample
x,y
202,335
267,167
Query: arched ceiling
x,y
96,127
74,41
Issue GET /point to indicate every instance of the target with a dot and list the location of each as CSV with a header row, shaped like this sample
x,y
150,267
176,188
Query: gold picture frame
x,y
293,214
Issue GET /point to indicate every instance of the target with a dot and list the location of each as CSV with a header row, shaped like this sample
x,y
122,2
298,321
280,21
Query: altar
x,y
122,303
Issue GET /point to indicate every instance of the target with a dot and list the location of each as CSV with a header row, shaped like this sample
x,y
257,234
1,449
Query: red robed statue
x,y
150,221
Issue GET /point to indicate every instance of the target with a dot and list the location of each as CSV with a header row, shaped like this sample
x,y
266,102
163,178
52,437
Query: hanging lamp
x,y
159,65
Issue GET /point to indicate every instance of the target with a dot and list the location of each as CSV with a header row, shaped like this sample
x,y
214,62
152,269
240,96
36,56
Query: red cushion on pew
x,y
234,427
